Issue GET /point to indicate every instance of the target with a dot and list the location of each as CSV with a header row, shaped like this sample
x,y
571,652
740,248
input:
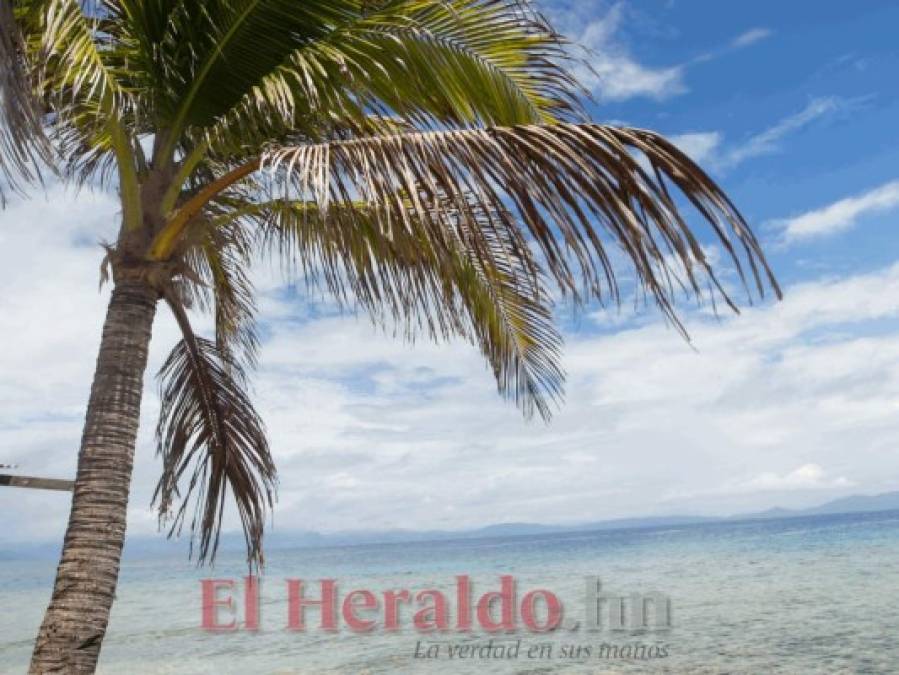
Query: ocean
x,y
814,594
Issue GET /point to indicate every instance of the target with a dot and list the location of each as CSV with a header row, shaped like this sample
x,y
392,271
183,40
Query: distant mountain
x,y
887,501
776,512
530,529
511,530
143,546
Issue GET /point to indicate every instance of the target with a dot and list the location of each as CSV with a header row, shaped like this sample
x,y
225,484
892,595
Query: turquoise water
x,y
804,595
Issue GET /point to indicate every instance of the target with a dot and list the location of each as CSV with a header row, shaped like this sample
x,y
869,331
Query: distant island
x,y
277,540
887,501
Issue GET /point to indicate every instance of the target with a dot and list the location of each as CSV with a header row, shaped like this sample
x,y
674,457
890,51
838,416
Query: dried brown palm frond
x,y
571,189
210,436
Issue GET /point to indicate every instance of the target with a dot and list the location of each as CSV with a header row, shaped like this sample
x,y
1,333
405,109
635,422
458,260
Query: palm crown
x,y
427,160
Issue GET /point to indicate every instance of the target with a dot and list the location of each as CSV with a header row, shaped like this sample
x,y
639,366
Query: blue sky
x,y
795,106
791,106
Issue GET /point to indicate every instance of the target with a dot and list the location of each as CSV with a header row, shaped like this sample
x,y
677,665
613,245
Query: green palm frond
x,y
219,257
78,58
211,438
484,62
221,49
23,145
79,62
511,314
443,62
572,189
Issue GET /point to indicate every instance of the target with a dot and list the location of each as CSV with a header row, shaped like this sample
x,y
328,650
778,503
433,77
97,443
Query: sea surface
x,y
801,595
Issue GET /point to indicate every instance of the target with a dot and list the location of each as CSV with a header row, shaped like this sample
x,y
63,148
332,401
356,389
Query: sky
x,y
789,404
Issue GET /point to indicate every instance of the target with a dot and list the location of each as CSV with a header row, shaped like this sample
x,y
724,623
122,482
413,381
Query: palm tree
x,y
428,161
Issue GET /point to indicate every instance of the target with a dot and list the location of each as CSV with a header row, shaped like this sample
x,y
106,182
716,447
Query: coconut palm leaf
x,y
78,58
220,50
445,62
23,145
465,280
406,53
571,189
210,436
239,74
219,258
81,58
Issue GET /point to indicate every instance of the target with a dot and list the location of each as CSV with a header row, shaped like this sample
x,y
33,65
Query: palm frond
x,y
463,279
78,58
81,69
482,62
234,304
425,62
219,258
512,320
23,144
220,50
210,436
572,189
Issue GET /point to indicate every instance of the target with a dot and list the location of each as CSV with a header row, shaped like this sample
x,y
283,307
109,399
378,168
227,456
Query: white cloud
x,y
841,215
742,41
613,73
617,77
710,146
805,477
801,479
750,37
701,146
768,141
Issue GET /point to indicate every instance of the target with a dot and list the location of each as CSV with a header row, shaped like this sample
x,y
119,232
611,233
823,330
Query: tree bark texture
x,y
75,622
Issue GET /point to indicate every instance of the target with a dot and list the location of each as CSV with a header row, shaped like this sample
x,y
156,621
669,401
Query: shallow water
x,y
806,595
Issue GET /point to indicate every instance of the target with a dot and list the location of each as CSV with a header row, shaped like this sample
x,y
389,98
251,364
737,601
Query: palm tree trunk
x,y
75,623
